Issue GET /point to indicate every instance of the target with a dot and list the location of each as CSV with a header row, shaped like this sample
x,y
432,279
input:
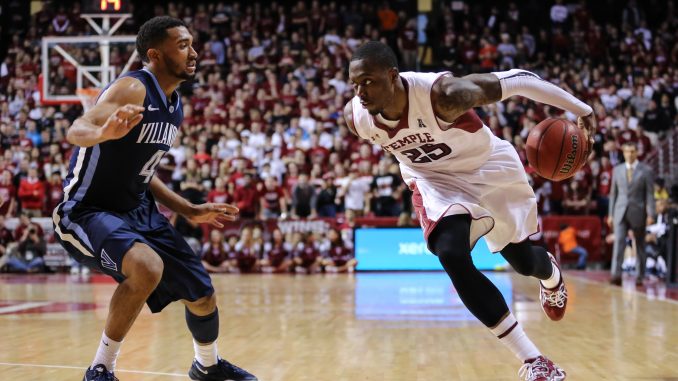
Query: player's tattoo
x,y
457,95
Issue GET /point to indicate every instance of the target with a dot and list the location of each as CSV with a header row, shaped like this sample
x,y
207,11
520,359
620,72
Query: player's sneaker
x,y
99,373
554,300
221,371
541,369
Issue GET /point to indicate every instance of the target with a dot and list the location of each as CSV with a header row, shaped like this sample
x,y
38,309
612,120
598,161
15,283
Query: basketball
x,y
556,148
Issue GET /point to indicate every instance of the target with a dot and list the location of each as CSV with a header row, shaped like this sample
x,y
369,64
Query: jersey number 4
x,y
427,153
149,168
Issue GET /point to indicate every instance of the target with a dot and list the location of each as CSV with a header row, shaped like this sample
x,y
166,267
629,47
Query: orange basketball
x,y
556,148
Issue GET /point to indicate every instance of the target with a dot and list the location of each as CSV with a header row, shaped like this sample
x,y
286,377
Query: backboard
x,y
70,63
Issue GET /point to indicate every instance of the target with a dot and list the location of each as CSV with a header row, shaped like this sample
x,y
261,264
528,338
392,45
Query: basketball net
x,y
88,96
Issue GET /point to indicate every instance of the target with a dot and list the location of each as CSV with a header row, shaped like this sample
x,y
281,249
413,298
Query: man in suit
x,y
631,207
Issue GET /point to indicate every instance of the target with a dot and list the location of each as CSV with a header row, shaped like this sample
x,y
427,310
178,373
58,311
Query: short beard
x,y
185,76
180,74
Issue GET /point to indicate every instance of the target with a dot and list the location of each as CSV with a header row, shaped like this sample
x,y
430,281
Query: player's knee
x,y
453,253
450,242
204,305
143,267
521,257
523,267
454,257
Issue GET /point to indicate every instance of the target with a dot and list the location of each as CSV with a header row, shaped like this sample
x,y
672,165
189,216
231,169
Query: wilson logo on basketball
x,y
569,161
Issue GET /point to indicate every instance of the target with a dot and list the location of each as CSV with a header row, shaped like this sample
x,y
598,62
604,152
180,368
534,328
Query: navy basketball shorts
x,y
100,238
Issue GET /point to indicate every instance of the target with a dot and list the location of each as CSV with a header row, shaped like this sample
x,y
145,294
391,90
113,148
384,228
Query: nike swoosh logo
x,y
105,343
151,108
203,371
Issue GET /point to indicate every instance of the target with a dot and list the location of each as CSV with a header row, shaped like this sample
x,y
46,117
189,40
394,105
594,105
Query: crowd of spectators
x,y
296,252
263,124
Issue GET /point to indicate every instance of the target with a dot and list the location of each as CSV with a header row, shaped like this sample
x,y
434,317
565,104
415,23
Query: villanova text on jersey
x,y
114,175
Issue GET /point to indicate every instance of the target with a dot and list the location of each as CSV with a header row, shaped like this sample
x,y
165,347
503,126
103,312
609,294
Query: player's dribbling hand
x,y
213,214
121,121
588,124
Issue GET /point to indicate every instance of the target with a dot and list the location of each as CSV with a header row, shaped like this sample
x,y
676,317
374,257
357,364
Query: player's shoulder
x,y
125,90
427,79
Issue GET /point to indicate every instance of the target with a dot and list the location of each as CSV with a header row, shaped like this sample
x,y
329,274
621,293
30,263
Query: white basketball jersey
x,y
455,168
420,141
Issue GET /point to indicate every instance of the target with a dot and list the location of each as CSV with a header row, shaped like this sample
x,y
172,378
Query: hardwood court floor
x,y
373,327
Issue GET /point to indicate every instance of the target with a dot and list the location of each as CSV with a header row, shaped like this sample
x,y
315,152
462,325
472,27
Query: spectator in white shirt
x,y
338,82
354,189
559,13
307,122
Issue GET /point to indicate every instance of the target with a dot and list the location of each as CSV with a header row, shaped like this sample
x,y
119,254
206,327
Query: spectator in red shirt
x,y
202,156
644,143
215,253
55,192
219,194
273,199
246,198
291,177
32,193
7,194
407,43
247,251
339,257
577,199
603,185
276,257
487,55
306,253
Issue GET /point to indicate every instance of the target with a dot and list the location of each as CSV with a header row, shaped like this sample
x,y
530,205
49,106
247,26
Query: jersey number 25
x,y
427,153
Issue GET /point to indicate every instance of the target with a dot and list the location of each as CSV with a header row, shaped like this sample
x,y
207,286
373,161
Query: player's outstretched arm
x,y
117,111
453,96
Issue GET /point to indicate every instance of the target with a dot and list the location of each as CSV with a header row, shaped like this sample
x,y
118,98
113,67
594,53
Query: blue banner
x,y
405,249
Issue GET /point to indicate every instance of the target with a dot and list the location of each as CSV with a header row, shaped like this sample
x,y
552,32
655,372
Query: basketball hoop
x,y
88,96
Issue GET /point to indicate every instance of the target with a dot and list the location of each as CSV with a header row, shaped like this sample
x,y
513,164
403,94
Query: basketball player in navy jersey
x,y
466,182
109,218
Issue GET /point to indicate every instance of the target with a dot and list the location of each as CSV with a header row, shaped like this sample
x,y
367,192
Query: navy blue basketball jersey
x,y
114,175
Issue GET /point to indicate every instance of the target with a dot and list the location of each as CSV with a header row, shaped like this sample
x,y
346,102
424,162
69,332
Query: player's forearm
x,y
82,133
170,199
529,85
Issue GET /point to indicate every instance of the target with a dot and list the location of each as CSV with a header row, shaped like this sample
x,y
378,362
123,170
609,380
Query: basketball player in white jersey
x,y
466,182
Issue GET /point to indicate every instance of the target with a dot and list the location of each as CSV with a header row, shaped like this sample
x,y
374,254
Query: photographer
x,y
24,224
31,251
